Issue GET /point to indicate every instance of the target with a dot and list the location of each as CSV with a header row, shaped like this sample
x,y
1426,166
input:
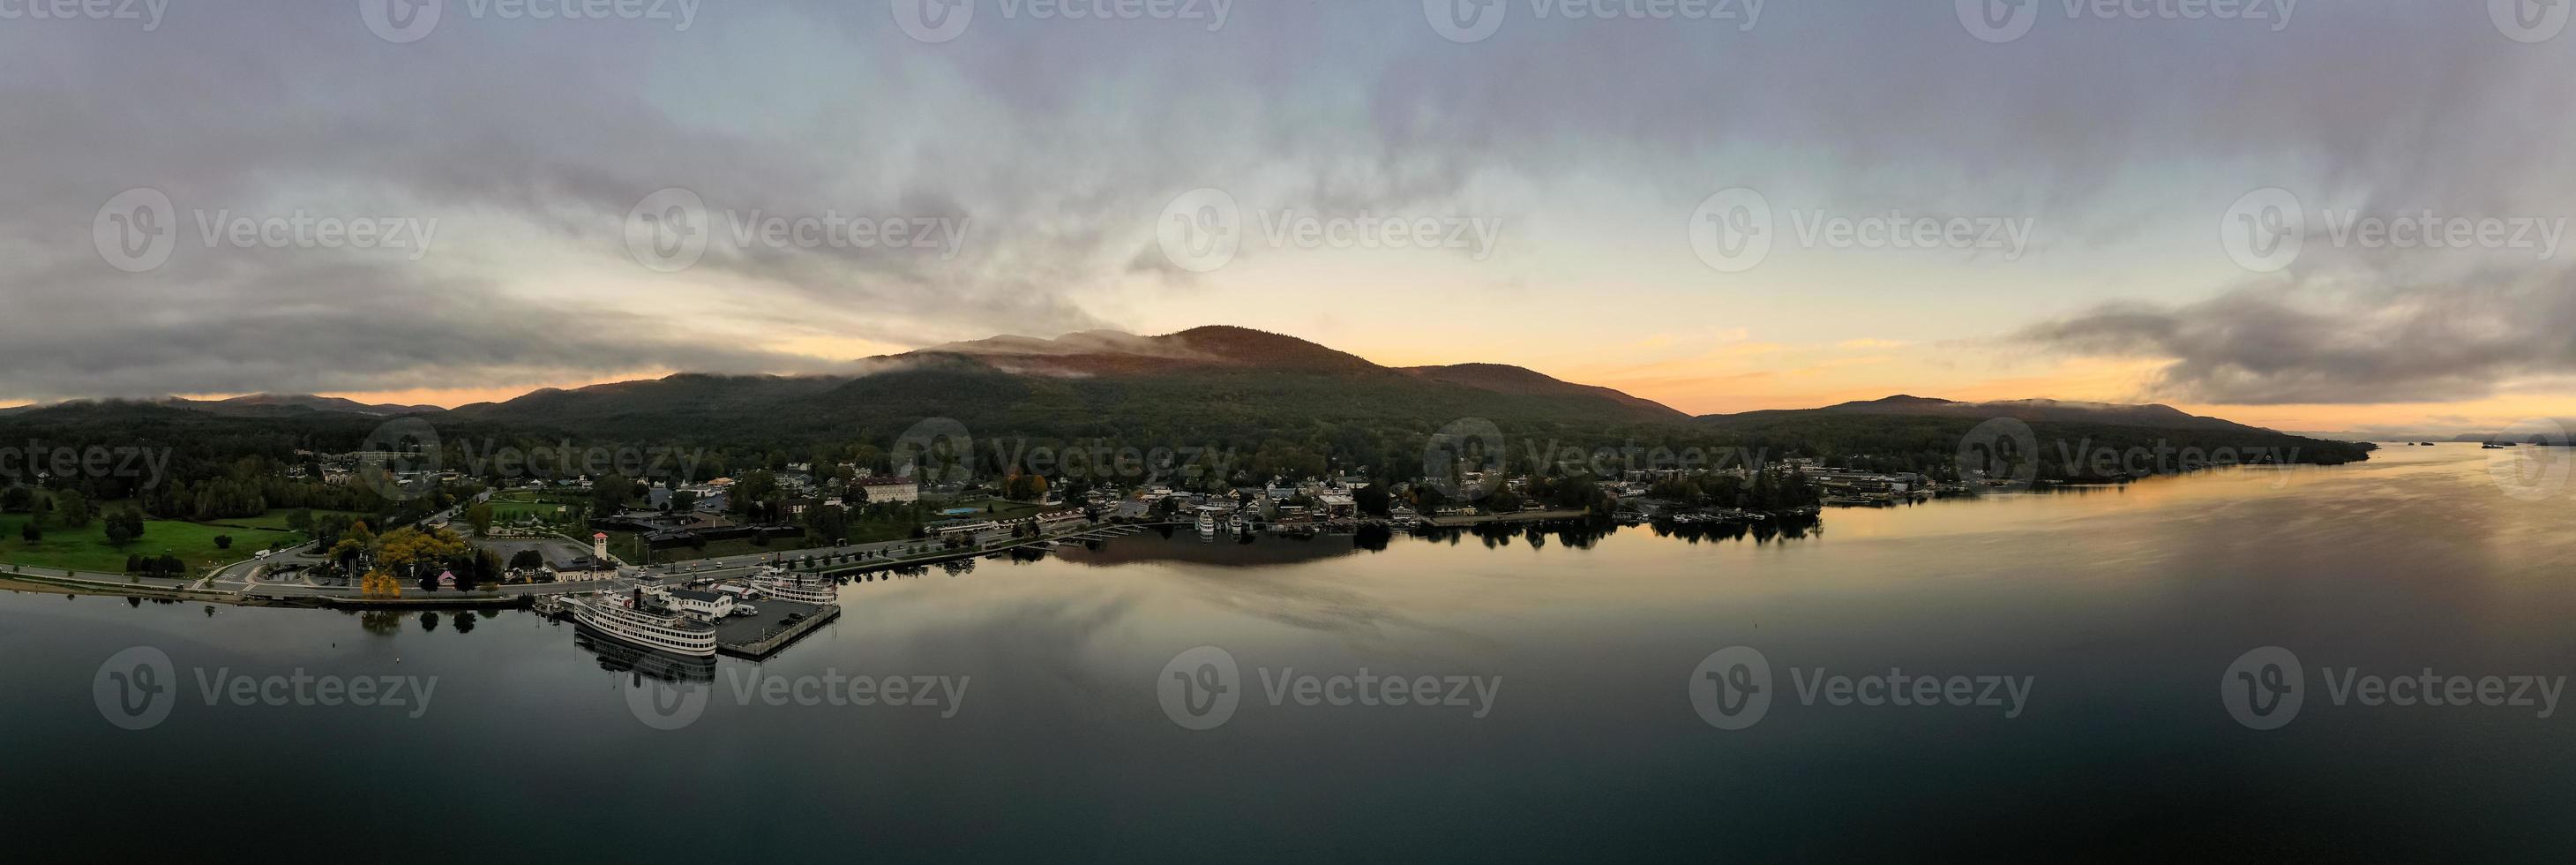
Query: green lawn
x,y
86,548
276,519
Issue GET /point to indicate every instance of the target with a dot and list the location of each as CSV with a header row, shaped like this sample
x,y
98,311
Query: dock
x,y
759,636
754,637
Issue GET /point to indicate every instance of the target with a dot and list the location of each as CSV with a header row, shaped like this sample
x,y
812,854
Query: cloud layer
x,y
1054,144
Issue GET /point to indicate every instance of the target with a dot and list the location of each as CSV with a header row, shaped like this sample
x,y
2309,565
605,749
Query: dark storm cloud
x,y
2409,344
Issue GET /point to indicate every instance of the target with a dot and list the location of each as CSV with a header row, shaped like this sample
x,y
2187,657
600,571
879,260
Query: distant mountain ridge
x,y
254,405
2153,416
1235,380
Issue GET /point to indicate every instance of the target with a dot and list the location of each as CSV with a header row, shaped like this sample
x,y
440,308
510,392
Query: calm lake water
x,y
2122,609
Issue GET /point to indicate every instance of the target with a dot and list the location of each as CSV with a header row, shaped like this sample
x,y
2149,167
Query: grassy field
x,y
86,548
276,519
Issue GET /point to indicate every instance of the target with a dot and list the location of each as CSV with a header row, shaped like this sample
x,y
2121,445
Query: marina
x,y
737,620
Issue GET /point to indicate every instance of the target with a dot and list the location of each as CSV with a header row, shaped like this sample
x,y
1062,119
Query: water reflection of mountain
x,y
617,657
1224,550
1270,550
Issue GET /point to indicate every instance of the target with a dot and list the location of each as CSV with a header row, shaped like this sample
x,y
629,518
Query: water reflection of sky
x,y
2123,604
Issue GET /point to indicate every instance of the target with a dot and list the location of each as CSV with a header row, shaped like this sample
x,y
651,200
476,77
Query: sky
x,y
2315,215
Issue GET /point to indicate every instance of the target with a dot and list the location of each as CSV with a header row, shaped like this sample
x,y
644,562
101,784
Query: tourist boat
x,y
619,657
787,585
1207,521
623,620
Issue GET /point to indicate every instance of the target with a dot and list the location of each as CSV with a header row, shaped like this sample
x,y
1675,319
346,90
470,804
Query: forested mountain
x,y
1280,405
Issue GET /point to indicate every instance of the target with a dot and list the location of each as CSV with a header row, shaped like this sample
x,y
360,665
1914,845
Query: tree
x,y
609,494
16,498
684,501
118,535
73,509
30,532
1372,499
223,542
299,519
528,560
378,584
480,517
